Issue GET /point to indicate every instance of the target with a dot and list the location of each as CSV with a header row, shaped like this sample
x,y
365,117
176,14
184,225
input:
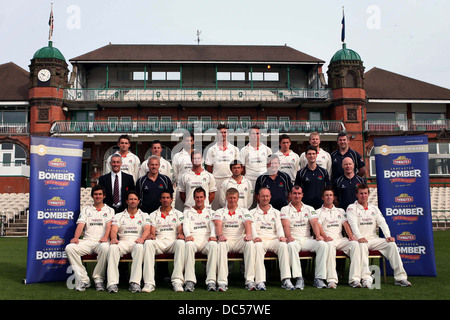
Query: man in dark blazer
x,y
125,184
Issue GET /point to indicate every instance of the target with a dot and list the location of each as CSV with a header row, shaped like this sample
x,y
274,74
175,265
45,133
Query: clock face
x,y
44,75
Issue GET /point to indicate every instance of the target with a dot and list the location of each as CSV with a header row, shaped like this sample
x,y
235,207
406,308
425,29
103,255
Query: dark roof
x,y
382,84
14,82
196,53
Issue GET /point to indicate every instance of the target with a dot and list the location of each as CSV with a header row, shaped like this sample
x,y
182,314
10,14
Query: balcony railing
x,y
14,128
193,94
167,127
406,125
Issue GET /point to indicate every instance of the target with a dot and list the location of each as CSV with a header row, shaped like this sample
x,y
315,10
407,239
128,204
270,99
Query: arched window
x,y
350,80
12,154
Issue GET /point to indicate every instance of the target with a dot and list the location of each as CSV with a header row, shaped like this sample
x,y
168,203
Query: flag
x,y
343,27
50,23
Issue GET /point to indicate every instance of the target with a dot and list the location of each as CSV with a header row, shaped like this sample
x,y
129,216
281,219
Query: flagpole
x,y
50,23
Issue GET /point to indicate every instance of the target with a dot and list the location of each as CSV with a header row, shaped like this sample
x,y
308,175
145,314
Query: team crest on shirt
x,y
281,185
161,186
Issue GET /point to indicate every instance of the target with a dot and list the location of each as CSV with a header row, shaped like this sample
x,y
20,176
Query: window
x,y
166,75
315,116
12,154
13,116
264,76
230,76
140,75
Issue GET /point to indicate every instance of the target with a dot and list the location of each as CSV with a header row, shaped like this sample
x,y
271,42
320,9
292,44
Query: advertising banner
x,y
55,168
404,199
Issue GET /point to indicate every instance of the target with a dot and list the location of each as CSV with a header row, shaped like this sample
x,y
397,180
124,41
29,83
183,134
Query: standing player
x,y
345,186
130,162
200,236
239,182
95,220
233,225
323,158
254,156
181,163
289,160
268,235
218,159
166,236
331,222
165,167
364,219
296,220
312,179
277,181
150,186
341,153
195,178
129,231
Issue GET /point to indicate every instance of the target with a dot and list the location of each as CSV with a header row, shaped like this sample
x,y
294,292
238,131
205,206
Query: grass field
x,y
13,271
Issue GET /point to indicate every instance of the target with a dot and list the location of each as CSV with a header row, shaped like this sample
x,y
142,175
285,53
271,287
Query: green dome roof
x,y
346,55
49,52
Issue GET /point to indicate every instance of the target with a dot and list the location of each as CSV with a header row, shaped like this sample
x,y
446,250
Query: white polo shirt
x,y
364,221
198,223
266,225
244,187
166,227
192,180
255,160
220,158
331,221
181,163
299,220
130,229
233,222
289,163
95,221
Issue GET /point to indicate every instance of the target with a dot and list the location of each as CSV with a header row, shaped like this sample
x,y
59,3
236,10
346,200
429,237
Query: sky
x,y
408,37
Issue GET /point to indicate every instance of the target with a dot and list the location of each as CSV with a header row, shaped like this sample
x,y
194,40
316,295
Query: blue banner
x,y
403,184
55,169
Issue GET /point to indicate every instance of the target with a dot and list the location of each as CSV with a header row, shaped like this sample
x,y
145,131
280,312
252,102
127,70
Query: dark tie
x,y
116,190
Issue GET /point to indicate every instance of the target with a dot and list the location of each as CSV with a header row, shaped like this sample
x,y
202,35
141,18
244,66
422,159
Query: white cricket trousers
x,y
351,249
311,245
155,247
74,253
389,250
118,250
206,247
247,248
277,247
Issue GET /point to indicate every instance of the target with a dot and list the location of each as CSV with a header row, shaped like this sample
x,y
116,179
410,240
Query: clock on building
x,y
44,75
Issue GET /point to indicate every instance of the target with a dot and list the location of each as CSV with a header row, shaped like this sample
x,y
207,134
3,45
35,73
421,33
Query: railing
x,y
167,127
14,127
193,94
19,169
406,125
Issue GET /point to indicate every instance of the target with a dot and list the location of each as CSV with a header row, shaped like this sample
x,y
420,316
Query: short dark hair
x,y
124,136
342,134
284,136
309,148
222,126
96,188
156,142
362,186
199,189
133,192
327,188
166,191
236,162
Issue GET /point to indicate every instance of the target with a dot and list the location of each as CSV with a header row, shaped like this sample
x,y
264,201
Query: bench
x,y
303,255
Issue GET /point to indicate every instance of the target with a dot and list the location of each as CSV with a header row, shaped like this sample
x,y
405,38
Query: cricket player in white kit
x,y
332,221
129,231
197,177
130,162
239,182
181,163
200,236
166,236
268,235
289,160
296,219
95,220
254,156
364,219
218,159
233,225
323,158
165,167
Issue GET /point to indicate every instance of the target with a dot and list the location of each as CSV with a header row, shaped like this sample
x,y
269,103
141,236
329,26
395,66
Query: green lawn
x,y
13,271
